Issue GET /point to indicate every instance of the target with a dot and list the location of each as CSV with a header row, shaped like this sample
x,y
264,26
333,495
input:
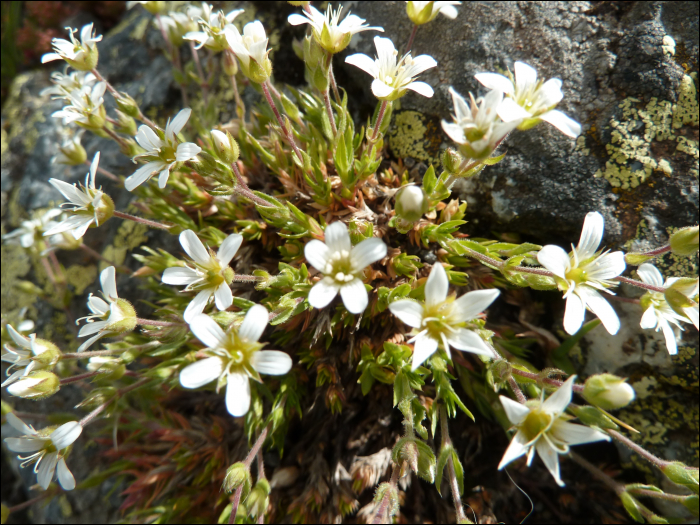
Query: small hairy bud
x,y
386,490
682,475
125,124
225,146
258,499
127,105
411,203
72,153
124,317
110,368
49,356
236,475
608,392
593,417
37,385
685,241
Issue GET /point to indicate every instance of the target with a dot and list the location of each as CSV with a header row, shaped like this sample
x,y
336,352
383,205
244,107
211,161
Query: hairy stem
x,y
238,278
104,172
516,390
200,73
290,138
243,189
329,111
247,462
410,39
96,412
546,380
380,117
79,377
94,353
116,95
149,322
651,458
454,485
149,223
123,143
381,515
334,86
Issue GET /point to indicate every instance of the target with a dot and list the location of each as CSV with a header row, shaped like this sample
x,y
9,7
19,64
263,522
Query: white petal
x,y
591,235
670,336
354,296
449,11
187,151
194,247
606,266
69,191
66,434
423,348
50,57
473,303
93,169
560,399
364,62
254,323
176,125
21,445
179,276
555,259
19,425
454,131
317,254
92,328
87,344
601,307
648,319
515,411
550,458
496,81
201,372
148,139
692,313
238,394
385,49
576,434
649,274
272,362
409,311
207,331
421,88
550,92
380,89
163,177
229,248
436,286
574,314
223,296
367,252
109,283
562,122
516,449
18,338
421,63
337,237
46,469
323,292
142,174
296,19
525,75
468,341
510,111
65,476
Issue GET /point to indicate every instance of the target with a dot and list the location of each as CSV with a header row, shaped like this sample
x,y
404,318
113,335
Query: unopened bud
x,y
46,354
411,203
593,417
87,61
229,64
125,124
98,396
451,161
236,475
608,391
258,499
692,504
103,211
682,475
685,241
129,147
37,385
110,368
391,494
421,12
127,105
28,287
225,146
71,153
632,506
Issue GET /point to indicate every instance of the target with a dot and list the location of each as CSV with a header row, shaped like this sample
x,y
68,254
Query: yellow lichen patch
x,y
80,277
22,113
130,235
414,135
631,159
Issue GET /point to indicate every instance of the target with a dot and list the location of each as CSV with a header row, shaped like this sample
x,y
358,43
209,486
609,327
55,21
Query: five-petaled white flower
x,y
85,107
342,267
209,274
582,273
81,55
443,320
48,449
530,100
233,357
477,128
251,50
163,151
116,315
328,32
214,26
542,426
657,312
423,12
64,84
391,77
32,230
90,205
32,354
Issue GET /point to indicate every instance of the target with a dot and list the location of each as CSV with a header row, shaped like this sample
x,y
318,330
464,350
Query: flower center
x,y
536,423
238,352
340,268
578,275
437,320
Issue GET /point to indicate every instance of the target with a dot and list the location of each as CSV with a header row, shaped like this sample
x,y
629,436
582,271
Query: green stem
x,y
651,458
546,380
247,462
380,117
96,412
454,485
79,377
290,138
94,353
243,189
149,322
149,223
380,515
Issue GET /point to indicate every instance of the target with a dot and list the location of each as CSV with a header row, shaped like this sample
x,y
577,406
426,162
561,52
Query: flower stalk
x,y
141,220
285,130
452,476
248,461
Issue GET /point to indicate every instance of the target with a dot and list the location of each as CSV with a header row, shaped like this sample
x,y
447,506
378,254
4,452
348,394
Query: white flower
x,y
31,231
71,151
251,50
48,447
423,12
81,54
478,129
530,99
32,354
177,25
233,358
90,204
657,312
163,151
86,106
116,315
583,272
214,25
691,292
65,84
209,274
392,78
342,266
542,426
443,320
331,35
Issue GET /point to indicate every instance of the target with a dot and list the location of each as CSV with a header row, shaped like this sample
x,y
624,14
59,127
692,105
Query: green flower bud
x,y
225,146
692,504
72,153
47,355
36,385
685,241
122,318
110,368
682,475
386,490
593,417
451,161
632,507
88,61
259,499
635,259
258,73
411,203
421,16
28,287
125,124
608,392
127,105
155,8
237,475
104,210
229,64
